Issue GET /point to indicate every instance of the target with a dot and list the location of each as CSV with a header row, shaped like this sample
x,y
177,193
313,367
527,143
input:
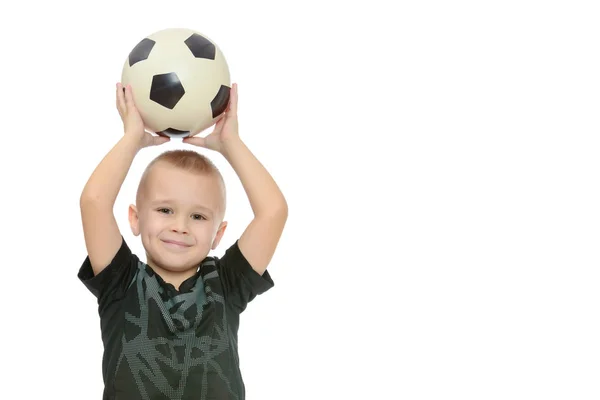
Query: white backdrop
x,y
440,161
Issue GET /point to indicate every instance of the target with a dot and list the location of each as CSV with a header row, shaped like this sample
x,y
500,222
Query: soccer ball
x,y
180,81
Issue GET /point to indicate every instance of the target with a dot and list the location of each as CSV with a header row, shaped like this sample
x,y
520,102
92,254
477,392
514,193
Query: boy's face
x,y
179,217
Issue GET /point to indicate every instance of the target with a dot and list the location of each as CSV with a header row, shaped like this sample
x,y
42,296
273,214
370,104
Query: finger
x,y
196,141
233,99
219,125
129,97
152,140
220,119
158,140
120,98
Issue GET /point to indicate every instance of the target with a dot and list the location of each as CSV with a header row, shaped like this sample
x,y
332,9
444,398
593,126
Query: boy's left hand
x,y
226,127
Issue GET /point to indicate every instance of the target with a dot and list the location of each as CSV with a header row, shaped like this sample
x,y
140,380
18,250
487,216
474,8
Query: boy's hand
x,y
132,120
226,127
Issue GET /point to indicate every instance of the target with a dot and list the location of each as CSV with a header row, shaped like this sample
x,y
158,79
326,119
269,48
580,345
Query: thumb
x,y
195,140
158,140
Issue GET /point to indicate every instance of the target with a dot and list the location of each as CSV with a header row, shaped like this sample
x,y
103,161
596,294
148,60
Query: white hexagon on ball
x,y
180,81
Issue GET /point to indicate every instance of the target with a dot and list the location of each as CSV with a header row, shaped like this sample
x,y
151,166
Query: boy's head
x,y
179,210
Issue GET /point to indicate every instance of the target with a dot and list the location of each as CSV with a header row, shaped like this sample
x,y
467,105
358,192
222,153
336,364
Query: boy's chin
x,y
175,263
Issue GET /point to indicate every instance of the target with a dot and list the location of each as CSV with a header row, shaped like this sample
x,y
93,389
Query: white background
x,y
440,161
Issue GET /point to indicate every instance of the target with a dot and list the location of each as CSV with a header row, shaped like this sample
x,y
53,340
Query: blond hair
x,y
186,160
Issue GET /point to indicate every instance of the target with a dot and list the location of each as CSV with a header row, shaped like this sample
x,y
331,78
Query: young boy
x,y
169,326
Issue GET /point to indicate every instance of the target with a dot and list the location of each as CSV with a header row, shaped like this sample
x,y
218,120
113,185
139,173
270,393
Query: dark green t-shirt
x,y
161,343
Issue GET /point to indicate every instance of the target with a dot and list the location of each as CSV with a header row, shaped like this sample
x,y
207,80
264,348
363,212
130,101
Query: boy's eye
x,y
169,211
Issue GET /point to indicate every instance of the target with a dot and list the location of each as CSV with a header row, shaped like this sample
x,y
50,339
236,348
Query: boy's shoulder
x,y
229,274
122,266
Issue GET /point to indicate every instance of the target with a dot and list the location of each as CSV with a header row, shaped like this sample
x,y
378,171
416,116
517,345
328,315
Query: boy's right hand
x,y
132,120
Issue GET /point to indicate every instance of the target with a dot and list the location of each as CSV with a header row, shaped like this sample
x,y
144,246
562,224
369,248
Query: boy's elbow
x,y
280,213
280,209
284,209
87,198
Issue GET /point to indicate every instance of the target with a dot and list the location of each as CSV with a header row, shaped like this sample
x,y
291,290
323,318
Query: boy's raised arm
x,y
100,229
259,240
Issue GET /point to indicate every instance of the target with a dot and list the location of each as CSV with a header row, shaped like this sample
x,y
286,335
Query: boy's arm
x,y
260,238
100,229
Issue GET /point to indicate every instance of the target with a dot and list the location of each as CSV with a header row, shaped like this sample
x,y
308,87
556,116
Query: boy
x,y
169,326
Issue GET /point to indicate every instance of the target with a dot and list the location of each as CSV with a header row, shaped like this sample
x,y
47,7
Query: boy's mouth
x,y
176,243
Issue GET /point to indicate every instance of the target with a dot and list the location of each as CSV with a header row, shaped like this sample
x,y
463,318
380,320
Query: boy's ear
x,y
219,235
134,220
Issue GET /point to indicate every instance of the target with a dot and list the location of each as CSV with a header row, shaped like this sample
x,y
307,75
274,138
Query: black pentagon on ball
x,y
172,132
220,102
141,51
201,47
166,90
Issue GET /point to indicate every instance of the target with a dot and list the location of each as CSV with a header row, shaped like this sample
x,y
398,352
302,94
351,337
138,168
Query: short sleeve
x,y
241,284
112,282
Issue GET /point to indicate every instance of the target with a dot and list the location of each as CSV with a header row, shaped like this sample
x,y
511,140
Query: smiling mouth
x,y
176,243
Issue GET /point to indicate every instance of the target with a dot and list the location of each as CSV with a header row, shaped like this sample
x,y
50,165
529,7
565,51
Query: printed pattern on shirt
x,y
175,346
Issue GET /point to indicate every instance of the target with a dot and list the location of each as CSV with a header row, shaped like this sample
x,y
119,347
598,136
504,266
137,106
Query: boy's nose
x,y
179,227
